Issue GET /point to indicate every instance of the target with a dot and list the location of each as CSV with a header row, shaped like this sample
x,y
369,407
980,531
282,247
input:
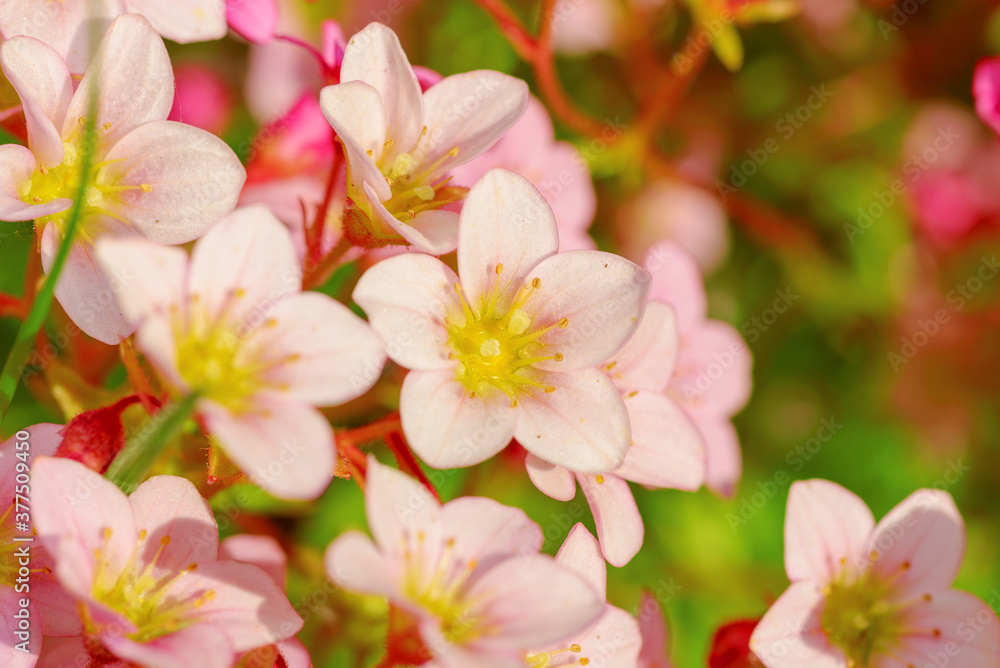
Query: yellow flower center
x,y
441,591
64,181
140,596
496,347
214,360
862,618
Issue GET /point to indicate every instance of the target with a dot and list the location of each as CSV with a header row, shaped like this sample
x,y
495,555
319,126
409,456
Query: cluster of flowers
x,y
603,371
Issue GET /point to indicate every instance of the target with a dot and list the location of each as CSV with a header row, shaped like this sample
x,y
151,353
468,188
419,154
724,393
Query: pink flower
x,y
874,595
614,639
50,610
67,25
711,377
150,177
655,652
232,325
509,346
986,90
145,573
201,99
401,143
666,450
469,572
556,168
254,20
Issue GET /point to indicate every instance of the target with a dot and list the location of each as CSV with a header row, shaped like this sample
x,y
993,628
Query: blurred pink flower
x,y
874,595
67,25
400,143
584,26
201,98
150,177
145,574
50,610
986,91
556,168
468,571
231,325
254,20
692,217
614,639
508,347
655,651
711,377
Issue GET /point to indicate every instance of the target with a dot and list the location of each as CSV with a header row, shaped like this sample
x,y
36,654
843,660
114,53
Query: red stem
x,y
407,463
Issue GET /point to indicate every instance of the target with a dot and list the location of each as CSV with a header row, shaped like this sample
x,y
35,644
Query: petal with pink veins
x,y
446,427
42,81
179,527
920,543
358,116
84,290
178,180
284,447
603,296
826,528
132,80
467,113
69,27
551,480
337,356
581,425
790,634
199,645
955,626
183,21
581,552
505,221
617,518
412,322
353,562
244,265
647,361
375,57
77,514
667,449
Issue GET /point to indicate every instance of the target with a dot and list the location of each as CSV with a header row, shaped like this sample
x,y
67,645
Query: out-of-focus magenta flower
x,y
67,25
863,594
150,178
401,144
509,347
201,99
690,216
145,572
232,325
469,572
50,610
556,168
986,90
253,20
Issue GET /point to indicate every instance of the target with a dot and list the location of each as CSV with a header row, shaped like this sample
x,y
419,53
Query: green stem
x,y
13,368
140,452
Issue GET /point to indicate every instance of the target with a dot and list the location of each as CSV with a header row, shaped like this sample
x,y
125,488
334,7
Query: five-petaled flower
x,y
148,176
401,143
233,326
874,595
509,346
